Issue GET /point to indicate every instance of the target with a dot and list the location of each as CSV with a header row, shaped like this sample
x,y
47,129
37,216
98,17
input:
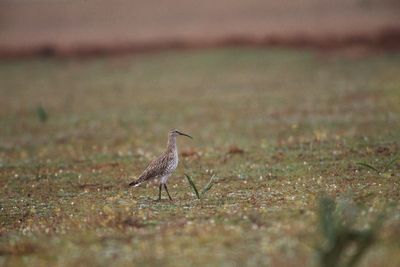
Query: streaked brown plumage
x,y
163,166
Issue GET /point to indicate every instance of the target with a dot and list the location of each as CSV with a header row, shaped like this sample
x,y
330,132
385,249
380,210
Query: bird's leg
x,y
166,189
159,192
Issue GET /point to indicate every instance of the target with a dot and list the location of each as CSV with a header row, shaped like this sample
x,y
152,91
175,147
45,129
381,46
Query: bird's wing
x,y
154,169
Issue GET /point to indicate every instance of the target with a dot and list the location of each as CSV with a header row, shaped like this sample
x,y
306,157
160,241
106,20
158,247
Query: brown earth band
x,y
387,39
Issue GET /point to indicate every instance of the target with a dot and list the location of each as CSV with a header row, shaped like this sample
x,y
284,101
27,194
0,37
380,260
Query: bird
x,y
163,166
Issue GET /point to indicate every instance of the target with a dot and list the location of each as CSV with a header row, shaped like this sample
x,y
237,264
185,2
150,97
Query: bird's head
x,y
175,133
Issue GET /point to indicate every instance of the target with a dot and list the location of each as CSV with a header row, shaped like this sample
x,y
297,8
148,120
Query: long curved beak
x,y
184,134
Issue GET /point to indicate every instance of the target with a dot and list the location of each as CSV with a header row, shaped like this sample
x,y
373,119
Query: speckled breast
x,y
172,163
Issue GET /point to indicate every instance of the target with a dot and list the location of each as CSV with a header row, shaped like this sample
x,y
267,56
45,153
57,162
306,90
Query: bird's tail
x,y
138,181
135,183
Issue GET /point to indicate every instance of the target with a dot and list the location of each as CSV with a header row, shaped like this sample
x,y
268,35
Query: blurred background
x,y
288,101
82,27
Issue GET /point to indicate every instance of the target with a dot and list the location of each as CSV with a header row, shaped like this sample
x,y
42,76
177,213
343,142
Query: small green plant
x,y
343,246
206,188
41,113
377,169
192,185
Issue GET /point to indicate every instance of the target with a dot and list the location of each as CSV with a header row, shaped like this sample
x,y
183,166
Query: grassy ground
x,y
278,128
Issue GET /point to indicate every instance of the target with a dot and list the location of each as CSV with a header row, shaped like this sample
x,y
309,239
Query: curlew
x,y
163,166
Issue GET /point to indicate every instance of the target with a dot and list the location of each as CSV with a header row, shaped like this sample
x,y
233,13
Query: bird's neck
x,y
171,146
